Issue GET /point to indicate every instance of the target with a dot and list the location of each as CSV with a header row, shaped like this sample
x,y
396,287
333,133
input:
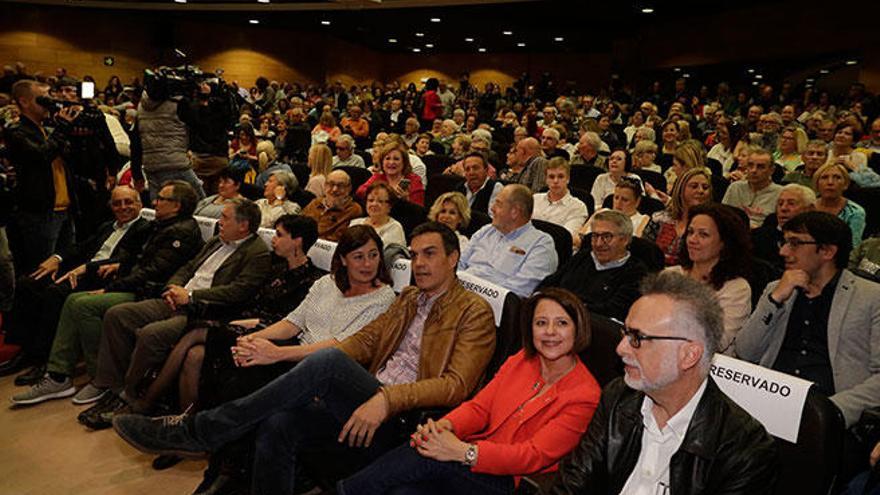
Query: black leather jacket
x,y
725,451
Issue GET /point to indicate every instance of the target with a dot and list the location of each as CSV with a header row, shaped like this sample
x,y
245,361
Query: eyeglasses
x,y
340,185
604,237
794,242
636,336
165,198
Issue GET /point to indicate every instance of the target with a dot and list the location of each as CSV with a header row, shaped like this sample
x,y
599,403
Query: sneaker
x,y
99,416
162,435
31,376
89,394
43,390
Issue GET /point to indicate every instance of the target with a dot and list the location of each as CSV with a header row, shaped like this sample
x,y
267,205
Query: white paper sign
x,y
401,274
148,214
266,235
321,254
493,294
775,399
206,225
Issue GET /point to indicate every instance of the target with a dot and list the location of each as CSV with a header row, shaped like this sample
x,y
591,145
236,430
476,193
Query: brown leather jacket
x,y
457,343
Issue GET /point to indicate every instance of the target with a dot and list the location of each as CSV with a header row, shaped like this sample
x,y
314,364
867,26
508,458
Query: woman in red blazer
x,y
524,421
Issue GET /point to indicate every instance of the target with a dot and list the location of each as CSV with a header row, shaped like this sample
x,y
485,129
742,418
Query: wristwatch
x,y
470,455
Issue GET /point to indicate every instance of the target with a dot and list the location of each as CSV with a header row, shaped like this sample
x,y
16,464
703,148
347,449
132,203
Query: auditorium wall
x,y
45,38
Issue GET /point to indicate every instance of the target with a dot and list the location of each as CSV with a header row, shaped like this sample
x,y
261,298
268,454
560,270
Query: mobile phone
x,y
404,184
86,90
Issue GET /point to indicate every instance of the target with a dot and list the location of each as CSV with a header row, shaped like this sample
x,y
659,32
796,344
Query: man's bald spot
x,y
123,191
530,145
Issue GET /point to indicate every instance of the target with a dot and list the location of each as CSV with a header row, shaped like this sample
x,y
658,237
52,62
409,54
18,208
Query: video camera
x,y
167,82
85,91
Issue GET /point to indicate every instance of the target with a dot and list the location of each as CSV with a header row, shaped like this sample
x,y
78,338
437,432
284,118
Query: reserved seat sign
x,y
773,398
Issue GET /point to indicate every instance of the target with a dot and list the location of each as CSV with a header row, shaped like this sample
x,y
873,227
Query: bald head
x,y
337,187
125,203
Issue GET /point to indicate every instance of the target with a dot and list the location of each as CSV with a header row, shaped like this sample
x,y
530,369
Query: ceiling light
x,y
852,62
420,35
392,40
824,71
647,10
262,1
521,44
429,45
754,83
179,1
325,23
435,19
677,69
751,71
469,40
559,38
417,50
481,50
810,79
254,21
507,33
685,75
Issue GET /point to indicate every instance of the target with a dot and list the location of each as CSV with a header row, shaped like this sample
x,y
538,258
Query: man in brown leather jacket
x,y
666,427
428,350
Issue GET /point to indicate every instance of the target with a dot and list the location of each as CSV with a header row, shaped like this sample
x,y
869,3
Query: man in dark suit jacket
x,y
137,337
394,119
478,188
40,295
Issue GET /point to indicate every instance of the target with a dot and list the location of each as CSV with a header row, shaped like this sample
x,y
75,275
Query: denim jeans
x,y
155,180
403,471
305,407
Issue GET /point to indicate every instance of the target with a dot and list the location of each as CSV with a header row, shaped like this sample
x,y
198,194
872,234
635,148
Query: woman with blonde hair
x,y
792,143
687,155
830,181
452,209
667,227
321,164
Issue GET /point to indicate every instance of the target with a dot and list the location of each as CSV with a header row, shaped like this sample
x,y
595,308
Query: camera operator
x,y
44,192
93,160
159,143
208,119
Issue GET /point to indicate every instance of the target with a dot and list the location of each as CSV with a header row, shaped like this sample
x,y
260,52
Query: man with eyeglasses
x,y
665,427
605,276
40,295
345,155
173,238
819,321
336,209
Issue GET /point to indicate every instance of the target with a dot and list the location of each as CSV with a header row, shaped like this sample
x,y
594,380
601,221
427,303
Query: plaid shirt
x,y
403,366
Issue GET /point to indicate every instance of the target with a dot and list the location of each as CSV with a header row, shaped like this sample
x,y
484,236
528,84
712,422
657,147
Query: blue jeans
x,y
304,407
157,178
403,471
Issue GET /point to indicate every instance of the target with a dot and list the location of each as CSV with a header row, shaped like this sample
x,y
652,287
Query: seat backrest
x,y
302,173
478,221
648,253
601,356
585,196
561,238
302,197
410,215
869,199
439,184
656,179
762,273
358,176
508,337
436,164
812,465
583,176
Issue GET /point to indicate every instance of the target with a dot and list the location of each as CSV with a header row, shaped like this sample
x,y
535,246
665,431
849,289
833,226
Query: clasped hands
x,y
436,440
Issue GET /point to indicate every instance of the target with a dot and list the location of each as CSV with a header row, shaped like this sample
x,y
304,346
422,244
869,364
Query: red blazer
x,y
519,442
416,189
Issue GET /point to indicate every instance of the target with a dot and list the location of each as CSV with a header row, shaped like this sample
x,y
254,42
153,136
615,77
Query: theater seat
x,y
583,176
600,357
439,184
812,465
561,238
436,164
478,221
358,176
410,215
585,196
508,337
302,173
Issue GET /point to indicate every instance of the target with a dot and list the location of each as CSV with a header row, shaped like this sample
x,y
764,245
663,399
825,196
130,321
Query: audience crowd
x,y
691,221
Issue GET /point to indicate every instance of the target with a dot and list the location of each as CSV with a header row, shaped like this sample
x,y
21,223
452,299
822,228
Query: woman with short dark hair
x,y
511,427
